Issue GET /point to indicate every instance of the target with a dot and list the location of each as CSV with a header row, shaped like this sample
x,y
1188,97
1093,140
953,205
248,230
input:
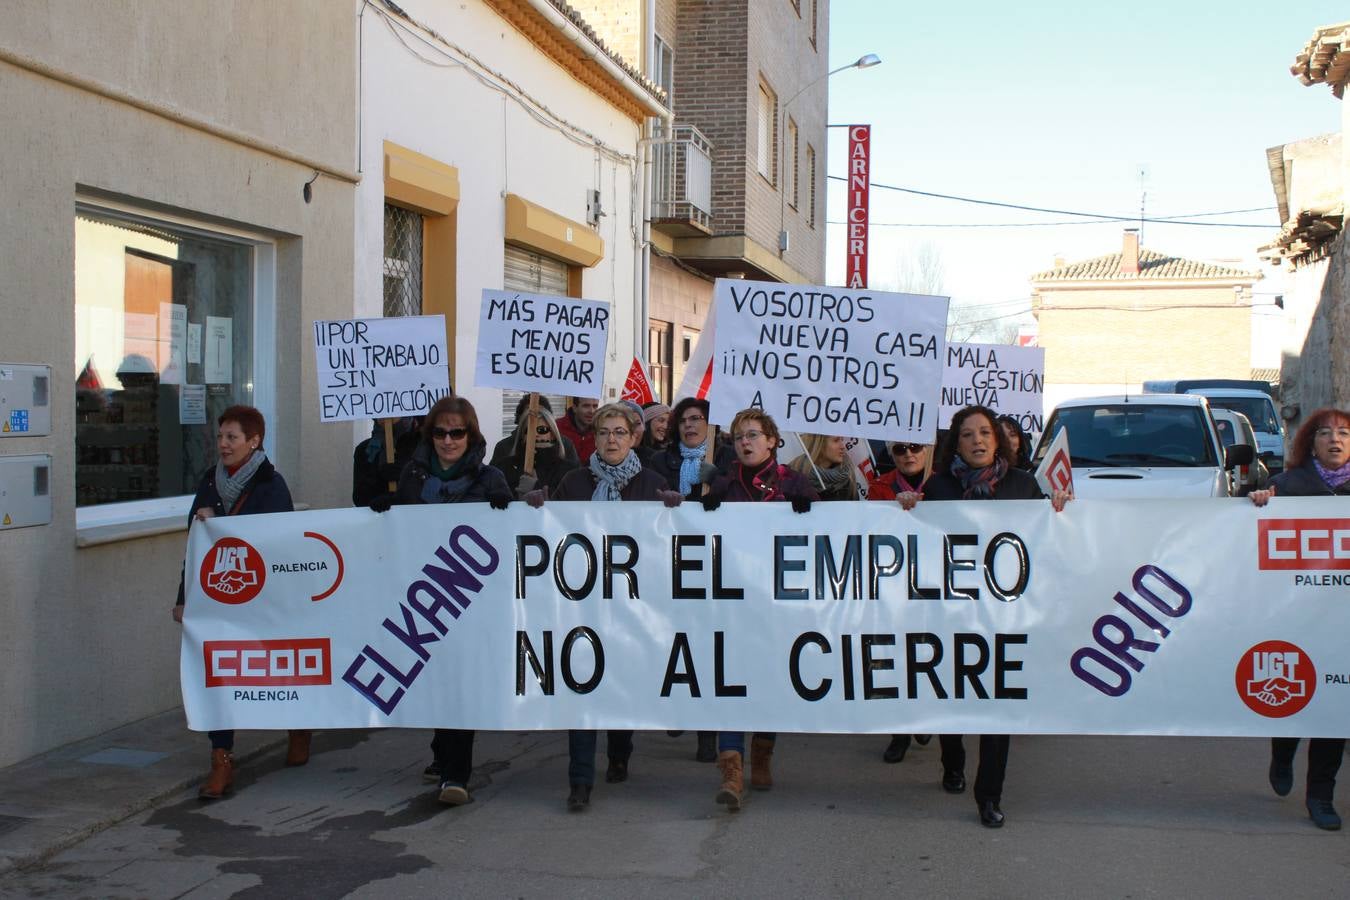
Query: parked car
x,y
1260,410
1234,428
1145,445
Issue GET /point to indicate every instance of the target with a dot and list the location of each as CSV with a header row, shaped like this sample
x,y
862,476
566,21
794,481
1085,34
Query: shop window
x,y
167,336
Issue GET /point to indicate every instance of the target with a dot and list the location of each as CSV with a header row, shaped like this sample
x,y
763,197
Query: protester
x,y
614,473
755,476
551,461
656,418
904,484
643,454
683,464
243,482
976,463
826,464
1318,465
578,426
1019,442
447,467
371,473
503,449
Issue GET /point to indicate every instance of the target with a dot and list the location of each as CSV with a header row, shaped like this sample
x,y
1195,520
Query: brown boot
x,y
297,751
729,763
220,778
761,776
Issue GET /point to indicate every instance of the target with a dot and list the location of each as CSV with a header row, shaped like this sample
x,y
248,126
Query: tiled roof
x,y
1271,375
1152,265
1326,58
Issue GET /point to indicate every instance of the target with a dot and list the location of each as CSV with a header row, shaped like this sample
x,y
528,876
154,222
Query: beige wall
x,y
1113,346
681,298
619,25
85,634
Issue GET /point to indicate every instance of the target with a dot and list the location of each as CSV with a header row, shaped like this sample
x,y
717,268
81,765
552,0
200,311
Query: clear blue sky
x,y
1058,104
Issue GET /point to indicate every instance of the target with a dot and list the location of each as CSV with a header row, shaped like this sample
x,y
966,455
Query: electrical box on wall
x,y
25,400
25,490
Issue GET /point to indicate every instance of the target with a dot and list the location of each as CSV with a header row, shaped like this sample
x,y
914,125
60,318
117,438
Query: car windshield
x,y
1135,434
1258,410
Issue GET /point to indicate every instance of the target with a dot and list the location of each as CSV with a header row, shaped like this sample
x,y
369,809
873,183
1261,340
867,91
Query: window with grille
x,y
402,262
811,185
767,132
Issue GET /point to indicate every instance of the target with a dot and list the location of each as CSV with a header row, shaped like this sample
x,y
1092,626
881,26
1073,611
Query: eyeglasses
x,y
1342,433
693,420
748,436
542,431
898,449
454,434
605,434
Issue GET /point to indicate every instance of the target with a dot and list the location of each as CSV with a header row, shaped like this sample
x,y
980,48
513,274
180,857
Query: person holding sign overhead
x,y
756,477
976,463
551,458
614,473
448,467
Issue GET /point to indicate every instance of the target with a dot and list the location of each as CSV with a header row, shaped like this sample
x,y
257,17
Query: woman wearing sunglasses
x,y
903,484
755,477
551,461
447,467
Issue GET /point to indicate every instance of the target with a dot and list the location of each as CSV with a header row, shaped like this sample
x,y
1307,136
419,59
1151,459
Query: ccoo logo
x,y
232,572
1275,679
1285,544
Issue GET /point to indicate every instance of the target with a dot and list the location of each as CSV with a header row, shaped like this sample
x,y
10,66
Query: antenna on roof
x,y
1143,197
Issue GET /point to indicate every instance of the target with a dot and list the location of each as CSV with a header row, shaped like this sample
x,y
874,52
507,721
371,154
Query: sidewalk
x,y
57,799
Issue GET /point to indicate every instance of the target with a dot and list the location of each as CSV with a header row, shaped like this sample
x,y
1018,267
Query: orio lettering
x,y
1109,665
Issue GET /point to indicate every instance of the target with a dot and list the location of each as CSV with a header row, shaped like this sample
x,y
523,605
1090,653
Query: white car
x,y
1144,445
1235,429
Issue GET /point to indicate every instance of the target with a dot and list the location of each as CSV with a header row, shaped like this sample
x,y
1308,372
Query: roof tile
x,y
1152,265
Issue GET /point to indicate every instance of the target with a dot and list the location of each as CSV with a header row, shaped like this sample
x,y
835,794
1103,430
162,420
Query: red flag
x,y
636,387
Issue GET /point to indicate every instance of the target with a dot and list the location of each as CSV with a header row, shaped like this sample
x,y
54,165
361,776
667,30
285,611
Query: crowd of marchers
x,y
625,452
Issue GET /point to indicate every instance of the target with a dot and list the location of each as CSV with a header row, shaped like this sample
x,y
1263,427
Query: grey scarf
x,y
610,480
229,487
832,478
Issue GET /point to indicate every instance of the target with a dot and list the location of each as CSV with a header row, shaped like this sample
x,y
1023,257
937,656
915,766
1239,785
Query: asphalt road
x,y
1087,817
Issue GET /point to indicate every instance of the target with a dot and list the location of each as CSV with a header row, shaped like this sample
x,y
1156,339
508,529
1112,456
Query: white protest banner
x,y
1195,617
380,368
535,342
824,360
1055,473
1008,379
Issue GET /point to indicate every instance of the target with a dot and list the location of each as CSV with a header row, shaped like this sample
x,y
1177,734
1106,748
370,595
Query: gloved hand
x,y
801,504
382,502
390,471
710,501
535,499
526,484
499,501
671,499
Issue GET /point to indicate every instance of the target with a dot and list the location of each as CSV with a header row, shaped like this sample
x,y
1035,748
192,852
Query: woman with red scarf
x,y
976,463
755,477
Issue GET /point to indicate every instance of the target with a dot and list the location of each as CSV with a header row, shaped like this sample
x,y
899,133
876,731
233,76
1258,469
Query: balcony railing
x,y
682,180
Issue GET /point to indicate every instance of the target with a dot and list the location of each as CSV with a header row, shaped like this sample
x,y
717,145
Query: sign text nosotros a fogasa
x,y
829,360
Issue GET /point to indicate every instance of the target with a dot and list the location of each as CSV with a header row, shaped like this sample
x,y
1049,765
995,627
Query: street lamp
x,y
866,61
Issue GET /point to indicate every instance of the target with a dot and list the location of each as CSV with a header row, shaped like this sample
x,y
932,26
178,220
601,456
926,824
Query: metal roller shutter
x,y
533,273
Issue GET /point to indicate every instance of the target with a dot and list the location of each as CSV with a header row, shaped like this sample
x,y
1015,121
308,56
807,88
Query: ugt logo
x,y
1275,679
232,572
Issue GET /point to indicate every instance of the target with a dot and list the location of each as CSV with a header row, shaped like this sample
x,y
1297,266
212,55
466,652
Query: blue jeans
x,y
581,753
735,740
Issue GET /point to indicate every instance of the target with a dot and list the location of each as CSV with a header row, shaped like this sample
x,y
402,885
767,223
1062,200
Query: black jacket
x,y
1015,485
369,477
266,493
666,463
579,484
549,467
1305,482
487,480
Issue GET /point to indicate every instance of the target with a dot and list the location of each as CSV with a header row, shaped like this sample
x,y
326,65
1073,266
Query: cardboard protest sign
x,y
829,360
380,368
536,342
1007,378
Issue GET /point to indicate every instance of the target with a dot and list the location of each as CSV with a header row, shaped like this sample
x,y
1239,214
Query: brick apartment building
x,y
744,160
1110,323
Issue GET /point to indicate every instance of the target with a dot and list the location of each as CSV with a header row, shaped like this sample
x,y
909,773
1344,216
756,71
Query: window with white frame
x,y
791,165
767,126
172,326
